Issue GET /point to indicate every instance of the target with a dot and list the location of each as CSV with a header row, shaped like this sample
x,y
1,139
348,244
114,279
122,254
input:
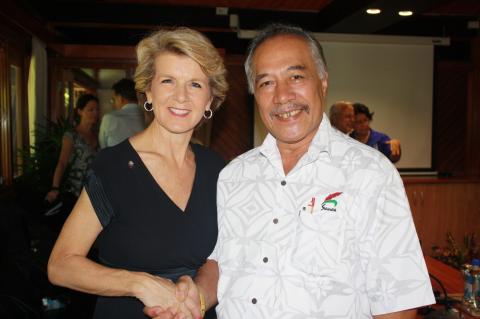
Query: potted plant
x,y
457,255
39,164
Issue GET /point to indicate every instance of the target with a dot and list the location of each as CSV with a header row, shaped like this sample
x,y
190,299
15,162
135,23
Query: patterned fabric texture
x,y
80,160
333,239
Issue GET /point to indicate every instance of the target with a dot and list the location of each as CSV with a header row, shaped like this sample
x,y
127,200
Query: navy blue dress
x,y
143,229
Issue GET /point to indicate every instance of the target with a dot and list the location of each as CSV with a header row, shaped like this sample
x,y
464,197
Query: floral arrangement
x,y
457,255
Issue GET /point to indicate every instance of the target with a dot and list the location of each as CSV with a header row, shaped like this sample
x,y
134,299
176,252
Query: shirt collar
x,y
129,106
320,143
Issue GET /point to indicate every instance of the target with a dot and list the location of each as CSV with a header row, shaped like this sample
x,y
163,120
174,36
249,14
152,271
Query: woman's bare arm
x,y
68,265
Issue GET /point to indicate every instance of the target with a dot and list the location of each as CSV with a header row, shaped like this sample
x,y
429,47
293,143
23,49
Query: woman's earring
x,y
208,114
148,106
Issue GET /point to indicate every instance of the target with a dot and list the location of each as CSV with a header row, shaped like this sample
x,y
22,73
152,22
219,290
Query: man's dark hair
x,y
278,29
360,108
126,89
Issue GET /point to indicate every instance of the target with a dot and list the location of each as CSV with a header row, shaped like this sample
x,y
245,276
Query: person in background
x,y
364,133
342,116
311,224
77,152
150,201
126,120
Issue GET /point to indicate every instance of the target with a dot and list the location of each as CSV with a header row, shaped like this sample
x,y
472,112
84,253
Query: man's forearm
x,y
207,280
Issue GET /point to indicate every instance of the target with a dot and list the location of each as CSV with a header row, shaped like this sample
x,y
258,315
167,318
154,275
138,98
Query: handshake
x,y
165,300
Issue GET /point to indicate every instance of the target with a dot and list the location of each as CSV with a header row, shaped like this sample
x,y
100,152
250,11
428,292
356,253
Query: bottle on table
x,y
468,297
475,273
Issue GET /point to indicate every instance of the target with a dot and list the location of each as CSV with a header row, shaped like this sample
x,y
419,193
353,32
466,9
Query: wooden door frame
x,y
5,133
14,50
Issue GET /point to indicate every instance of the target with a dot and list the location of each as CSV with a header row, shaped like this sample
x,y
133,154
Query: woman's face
x,y
180,93
361,124
90,112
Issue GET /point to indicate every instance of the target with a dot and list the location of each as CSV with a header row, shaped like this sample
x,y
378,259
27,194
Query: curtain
x,y
37,88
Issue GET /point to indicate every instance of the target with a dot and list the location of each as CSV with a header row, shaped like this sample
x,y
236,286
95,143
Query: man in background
x,y
126,119
342,116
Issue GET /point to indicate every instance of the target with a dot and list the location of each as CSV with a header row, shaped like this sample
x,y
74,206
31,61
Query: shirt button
x,y
283,183
254,300
265,259
275,220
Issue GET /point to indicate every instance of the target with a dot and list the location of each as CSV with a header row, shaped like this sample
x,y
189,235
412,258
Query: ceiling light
x,y
373,11
405,13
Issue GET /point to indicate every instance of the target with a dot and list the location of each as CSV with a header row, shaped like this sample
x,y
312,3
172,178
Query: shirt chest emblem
x,y
330,202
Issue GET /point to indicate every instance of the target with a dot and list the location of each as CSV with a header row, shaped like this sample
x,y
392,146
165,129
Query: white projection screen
x,y
393,76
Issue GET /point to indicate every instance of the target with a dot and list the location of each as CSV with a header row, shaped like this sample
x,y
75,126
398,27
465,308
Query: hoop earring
x,y
207,114
148,106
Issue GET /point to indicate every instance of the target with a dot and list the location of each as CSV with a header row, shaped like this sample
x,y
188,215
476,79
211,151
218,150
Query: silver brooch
x,y
130,164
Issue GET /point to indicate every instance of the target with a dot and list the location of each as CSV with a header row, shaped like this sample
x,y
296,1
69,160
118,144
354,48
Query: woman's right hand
x,y
52,195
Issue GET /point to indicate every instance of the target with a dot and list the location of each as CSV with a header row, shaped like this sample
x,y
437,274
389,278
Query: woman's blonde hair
x,y
182,41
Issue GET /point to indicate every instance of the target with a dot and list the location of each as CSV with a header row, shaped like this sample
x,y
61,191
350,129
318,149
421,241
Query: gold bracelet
x,y
203,306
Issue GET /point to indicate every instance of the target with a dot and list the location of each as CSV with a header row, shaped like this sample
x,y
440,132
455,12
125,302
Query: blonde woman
x,y
151,200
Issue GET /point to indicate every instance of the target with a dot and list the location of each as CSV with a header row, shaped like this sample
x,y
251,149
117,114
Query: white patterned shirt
x,y
333,239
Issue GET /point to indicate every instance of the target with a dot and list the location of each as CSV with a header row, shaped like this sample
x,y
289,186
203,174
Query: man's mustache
x,y
288,107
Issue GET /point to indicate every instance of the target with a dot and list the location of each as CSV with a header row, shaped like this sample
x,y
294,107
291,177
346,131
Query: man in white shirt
x,y
312,224
126,120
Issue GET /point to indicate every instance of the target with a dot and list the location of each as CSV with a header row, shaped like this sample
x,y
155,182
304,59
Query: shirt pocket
x,y
319,237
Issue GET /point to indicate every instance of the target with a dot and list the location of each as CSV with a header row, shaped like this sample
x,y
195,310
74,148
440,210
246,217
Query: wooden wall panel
x,y
441,208
473,113
232,128
450,117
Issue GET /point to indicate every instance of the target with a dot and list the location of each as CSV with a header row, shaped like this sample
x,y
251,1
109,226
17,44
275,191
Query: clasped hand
x,y
183,302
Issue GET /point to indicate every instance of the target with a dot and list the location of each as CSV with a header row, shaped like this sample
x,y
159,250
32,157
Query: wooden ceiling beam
x,y
93,25
11,11
83,51
286,5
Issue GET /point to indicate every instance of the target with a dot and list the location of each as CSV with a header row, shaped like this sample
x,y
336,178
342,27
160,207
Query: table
x,y
452,280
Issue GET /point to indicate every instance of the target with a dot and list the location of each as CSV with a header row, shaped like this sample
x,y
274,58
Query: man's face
x,y
288,90
345,119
